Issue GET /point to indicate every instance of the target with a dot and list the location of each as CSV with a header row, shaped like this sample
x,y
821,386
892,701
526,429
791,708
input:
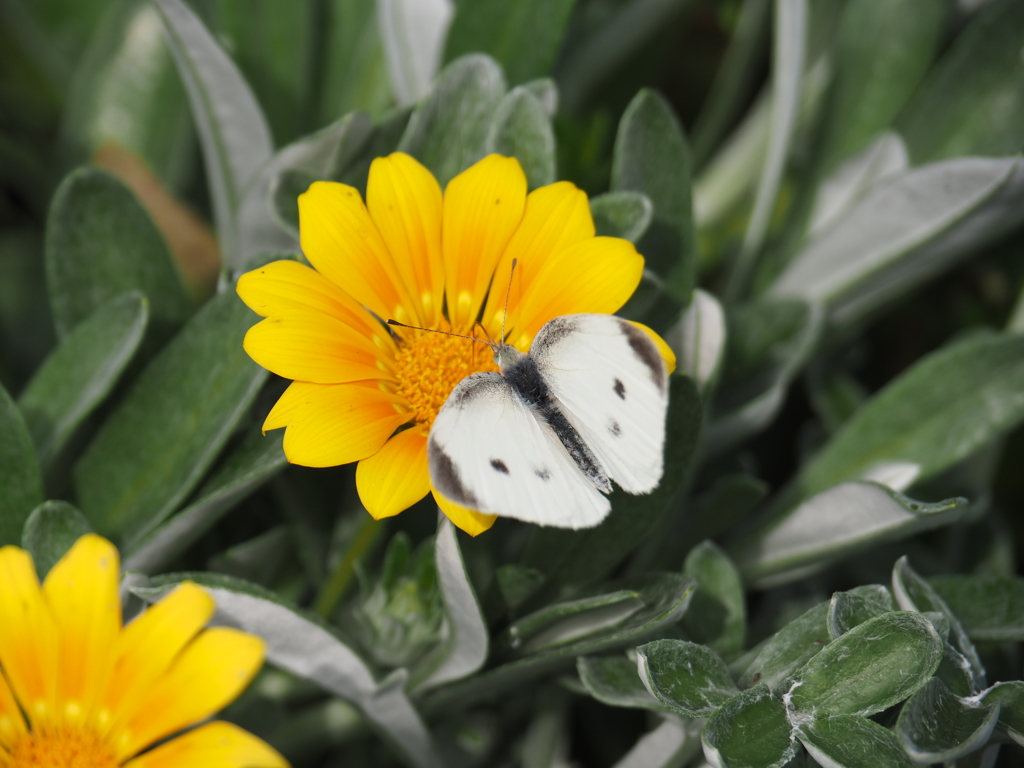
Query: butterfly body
x,y
541,440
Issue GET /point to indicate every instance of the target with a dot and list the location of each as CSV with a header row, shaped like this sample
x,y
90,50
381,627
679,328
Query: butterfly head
x,y
506,357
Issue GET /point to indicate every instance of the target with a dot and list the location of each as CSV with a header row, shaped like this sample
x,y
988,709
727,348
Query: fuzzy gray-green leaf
x,y
625,214
50,531
872,667
21,481
689,679
935,726
750,730
847,610
719,618
1010,698
851,741
788,650
521,129
76,377
613,680
988,607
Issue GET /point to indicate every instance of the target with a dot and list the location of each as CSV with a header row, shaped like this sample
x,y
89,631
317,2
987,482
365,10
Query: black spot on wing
x,y
499,466
445,476
620,389
614,428
645,352
543,473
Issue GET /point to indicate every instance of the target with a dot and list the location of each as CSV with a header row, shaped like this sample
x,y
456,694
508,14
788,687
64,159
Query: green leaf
x,y
870,668
412,32
699,340
936,726
100,243
850,741
448,131
354,74
1010,699
749,731
651,157
719,615
769,342
306,646
665,599
50,531
622,214
884,50
523,37
971,103
80,373
233,132
517,583
988,607
256,459
126,90
932,416
788,650
672,743
689,679
915,594
313,157
155,447
563,623
788,46
21,481
850,609
903,232
833,524
522,129
464,649
613,680
585,557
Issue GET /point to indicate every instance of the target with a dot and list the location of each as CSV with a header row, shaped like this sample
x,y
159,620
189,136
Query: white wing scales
x,y
488,451
610,382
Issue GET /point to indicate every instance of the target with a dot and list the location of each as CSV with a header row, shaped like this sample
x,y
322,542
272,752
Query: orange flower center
x,y
65,747
429,365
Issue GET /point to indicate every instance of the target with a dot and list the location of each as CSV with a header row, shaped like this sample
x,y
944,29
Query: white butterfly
x,y
542,440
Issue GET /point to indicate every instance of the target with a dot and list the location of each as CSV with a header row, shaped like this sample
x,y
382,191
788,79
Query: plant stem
x,y
331,593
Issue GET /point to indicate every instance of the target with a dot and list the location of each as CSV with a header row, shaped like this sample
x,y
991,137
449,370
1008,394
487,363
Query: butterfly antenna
x,y
444,333
508,291
489,339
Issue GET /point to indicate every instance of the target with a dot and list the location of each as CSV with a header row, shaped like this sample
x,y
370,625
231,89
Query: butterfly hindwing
x,y
608,379
489,451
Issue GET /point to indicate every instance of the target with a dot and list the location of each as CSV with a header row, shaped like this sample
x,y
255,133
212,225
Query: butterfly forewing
x,y
609,380
489,451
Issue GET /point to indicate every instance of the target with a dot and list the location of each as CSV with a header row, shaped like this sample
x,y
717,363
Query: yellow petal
x,y
596,275
340,239
556,217
396,476
663,348
149,644
483,205
12,724
214,745
28,636
469,520
341,424
404,201
285,285
284,410
316,347
209,674
81,590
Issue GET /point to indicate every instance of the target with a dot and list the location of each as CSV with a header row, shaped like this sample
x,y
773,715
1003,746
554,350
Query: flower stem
x,y
331,593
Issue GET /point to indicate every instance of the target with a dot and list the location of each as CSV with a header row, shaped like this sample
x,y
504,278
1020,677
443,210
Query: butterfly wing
x,y
488,451
609,380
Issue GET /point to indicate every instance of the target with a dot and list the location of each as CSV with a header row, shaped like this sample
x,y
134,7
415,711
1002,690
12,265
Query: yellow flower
x,y
426,259
78,690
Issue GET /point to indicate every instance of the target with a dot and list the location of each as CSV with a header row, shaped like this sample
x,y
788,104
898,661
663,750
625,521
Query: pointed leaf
x,y
562,623
155,447
836,523
750,731
988,607
100,243
847,610
689,679
613,680
50,531
521,129
21,482
651,157
448,131
935,726
257,459
305,646
234,134
851,741
80,373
